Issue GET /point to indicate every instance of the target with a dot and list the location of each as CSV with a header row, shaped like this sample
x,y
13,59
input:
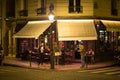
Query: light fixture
x,y
51,16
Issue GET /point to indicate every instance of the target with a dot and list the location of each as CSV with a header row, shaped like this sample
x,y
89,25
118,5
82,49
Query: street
x,y
17,73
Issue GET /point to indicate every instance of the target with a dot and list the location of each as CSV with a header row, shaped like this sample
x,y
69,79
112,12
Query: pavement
x,y
13,61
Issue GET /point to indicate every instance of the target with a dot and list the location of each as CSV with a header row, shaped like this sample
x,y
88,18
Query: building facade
x,y
15,14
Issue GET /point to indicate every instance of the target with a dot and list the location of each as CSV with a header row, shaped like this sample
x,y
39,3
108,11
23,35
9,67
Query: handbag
x,y
57,54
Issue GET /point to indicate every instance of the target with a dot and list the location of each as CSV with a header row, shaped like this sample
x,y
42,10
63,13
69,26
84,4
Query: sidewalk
x,y
26,64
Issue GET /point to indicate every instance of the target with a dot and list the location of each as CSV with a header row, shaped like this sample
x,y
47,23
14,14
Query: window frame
x,y
42,9
114,10
75,6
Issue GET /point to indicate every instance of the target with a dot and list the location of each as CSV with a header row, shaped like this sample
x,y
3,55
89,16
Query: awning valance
x,y
112,25
69,30
33,29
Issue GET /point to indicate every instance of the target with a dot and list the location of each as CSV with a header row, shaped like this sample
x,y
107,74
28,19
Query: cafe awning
x,y
33,29
69,30
112,25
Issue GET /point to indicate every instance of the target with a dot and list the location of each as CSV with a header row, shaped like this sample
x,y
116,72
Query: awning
x,y
112,25
33,29
69,30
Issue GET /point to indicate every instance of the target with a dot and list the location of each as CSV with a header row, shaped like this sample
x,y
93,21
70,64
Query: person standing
x,y
82,55
41,54
90,56
63,55
1,54
72,51
56,53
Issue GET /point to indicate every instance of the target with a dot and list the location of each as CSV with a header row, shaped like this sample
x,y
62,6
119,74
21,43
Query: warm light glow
x,y
72,20
51,17
119,37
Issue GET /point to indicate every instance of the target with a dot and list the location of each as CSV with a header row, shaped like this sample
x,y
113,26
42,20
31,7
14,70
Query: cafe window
x,y
75,6
103,37
118,38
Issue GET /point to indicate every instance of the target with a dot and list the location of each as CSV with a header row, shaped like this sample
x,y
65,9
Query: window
x,y
114,10
71,6
42,9
0,21
78,6
75,6
0,9
24,11
10,8
25,4
95,5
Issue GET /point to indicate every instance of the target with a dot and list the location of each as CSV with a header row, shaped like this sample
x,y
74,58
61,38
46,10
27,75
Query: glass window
x,y
114,10
42,3
25,4
0,9
24,8
42,7
71,6
10,8
74,6
0,21
78,5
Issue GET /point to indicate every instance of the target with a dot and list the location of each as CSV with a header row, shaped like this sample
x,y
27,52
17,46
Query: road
x,y
17,73
107,71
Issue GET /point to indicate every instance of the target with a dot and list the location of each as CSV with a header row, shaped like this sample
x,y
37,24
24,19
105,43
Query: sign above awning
x,y
69,30
112,25
33,29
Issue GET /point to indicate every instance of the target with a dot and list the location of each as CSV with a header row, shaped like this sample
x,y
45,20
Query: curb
x,y
15,65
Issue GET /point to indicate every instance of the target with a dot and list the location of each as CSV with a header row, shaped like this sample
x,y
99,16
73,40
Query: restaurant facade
x,y
76,21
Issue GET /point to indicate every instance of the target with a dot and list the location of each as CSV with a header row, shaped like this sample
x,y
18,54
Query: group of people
x,y
41,53
86,56
57,54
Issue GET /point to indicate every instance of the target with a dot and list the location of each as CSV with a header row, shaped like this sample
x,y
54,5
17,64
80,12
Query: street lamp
x,y
51,18
51,14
